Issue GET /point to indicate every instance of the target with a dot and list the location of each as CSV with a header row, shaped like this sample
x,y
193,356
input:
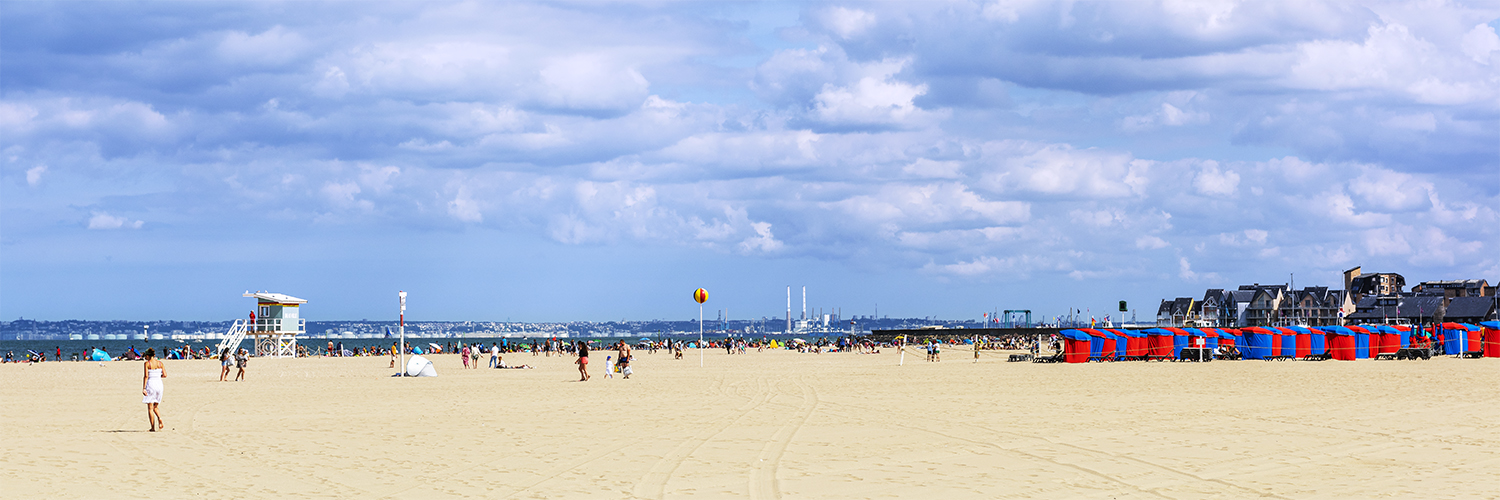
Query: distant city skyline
x,y
544,162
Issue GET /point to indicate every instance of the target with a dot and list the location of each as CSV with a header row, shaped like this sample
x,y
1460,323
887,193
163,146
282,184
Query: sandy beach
x,y
762,425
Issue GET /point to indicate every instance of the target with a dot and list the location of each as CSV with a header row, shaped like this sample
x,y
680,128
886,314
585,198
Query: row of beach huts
x,y
1346,343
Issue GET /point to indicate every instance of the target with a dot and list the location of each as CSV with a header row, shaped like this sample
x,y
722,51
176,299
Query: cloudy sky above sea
x,y
600,160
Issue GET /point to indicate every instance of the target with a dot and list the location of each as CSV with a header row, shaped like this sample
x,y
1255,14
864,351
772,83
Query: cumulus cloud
x,y
965,141
1480,42
1210,180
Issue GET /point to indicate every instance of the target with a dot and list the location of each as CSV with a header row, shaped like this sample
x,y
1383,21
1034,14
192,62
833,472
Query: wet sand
x,y
761,425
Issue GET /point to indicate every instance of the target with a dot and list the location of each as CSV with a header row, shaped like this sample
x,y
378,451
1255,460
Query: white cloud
x,y
464,208
1168,115
865,144
1480,42
762,242
1060,169
1210,180
1256,235
103,220
1149,242
1185,271
875,98
592,81
34,175
847,23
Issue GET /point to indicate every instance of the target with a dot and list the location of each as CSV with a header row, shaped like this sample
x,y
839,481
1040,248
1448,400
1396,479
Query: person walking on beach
x,y
151,388
393,354
583,361
494,354
623,349
241,358
224,365
465,355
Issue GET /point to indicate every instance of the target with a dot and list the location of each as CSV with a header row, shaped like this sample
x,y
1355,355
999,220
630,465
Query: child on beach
x,y
240,360
609,367
583,361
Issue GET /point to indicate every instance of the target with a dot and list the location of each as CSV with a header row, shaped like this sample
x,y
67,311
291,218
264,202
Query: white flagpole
x,y
700,334
402,294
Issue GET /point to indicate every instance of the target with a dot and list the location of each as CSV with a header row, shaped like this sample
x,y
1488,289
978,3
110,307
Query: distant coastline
x,y
366,330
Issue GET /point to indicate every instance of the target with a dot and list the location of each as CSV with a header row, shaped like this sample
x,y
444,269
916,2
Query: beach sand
x,y
761,425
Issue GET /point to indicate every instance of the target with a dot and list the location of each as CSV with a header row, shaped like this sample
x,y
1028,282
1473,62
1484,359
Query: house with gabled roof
x,y
1265,304
1470,310
1314,306
1176,312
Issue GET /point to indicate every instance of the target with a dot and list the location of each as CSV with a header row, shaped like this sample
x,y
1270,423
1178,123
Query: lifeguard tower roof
x,y
274,298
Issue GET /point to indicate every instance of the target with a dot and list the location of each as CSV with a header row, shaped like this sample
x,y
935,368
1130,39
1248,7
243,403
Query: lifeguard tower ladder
x,y
276,325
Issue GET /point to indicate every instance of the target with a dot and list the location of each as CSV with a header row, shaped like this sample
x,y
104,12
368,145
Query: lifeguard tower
x,y
276,326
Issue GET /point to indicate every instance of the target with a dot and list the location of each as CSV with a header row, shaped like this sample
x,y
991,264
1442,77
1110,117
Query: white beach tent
x,y
417,366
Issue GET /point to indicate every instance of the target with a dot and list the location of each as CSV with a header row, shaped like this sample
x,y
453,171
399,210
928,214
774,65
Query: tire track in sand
x,y
763,481
654,484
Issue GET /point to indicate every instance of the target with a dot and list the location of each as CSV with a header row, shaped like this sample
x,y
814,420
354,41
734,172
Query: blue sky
x,y
599,161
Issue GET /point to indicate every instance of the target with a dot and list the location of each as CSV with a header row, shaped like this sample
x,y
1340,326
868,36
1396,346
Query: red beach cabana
x,y
1075,346
1491,338
1341,342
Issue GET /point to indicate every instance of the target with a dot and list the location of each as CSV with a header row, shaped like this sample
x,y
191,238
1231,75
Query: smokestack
x,y
789,308
804,302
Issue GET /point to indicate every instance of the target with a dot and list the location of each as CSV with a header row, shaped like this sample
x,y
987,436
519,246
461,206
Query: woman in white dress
x,y
151,388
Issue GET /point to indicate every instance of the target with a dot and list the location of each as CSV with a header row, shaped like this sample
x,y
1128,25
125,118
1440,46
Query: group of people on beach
x,y
612,364
240,359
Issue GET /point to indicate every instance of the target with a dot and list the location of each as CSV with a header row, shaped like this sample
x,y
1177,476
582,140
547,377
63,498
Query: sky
x,y
558,161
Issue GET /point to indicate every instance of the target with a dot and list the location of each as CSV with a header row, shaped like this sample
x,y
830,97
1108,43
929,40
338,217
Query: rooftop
x,y
278,298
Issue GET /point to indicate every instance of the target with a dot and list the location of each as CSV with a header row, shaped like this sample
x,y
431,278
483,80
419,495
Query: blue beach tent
x,y
1361,345
1179,342
1455,337
99,355
1405,336
1318,342
1253,344
1122,343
